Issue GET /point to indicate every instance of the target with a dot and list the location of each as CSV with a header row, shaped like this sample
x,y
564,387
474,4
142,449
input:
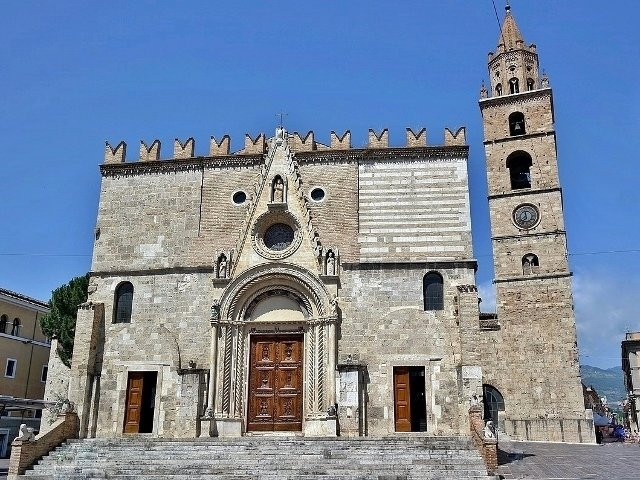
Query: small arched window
x,y
519,165
3,324
499,89
516,124
15,328
531,85
123,303
530,264
514,85
493,403
433,291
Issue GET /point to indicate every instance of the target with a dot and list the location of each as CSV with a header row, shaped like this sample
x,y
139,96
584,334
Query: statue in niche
x,y
331,263
278,190
222,266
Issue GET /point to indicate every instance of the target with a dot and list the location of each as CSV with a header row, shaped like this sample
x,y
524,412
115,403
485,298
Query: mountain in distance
x,y
607,382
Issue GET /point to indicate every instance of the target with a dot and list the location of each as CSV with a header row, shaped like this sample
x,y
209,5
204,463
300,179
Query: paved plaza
x,y
568,461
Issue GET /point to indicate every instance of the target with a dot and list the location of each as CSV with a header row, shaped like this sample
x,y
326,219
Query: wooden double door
x,y
140,406
409,398
275,383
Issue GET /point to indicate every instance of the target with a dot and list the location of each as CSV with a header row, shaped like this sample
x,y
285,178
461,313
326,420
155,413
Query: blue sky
x,y
75,74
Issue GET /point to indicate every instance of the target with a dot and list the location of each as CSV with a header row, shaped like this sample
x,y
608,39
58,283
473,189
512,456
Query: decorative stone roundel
x,y
276,235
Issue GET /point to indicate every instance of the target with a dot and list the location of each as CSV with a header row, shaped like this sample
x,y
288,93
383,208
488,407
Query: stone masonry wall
x,y
533,358
410,210
384,325
169,327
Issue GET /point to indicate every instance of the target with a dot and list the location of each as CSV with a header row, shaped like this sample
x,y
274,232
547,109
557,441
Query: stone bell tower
x,y
533,358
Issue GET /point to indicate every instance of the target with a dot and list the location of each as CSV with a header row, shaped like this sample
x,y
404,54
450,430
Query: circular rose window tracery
x,y
276,235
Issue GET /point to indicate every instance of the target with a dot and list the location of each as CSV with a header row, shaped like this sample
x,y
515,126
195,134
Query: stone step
x,y
262,459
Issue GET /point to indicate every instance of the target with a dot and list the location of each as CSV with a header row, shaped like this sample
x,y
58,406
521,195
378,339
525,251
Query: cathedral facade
x,y
325,290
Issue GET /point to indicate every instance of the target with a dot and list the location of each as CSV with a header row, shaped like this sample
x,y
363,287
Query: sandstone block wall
x,y
384,325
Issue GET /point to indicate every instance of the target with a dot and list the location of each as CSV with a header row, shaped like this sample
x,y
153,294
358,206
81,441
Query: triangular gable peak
x,y
278,225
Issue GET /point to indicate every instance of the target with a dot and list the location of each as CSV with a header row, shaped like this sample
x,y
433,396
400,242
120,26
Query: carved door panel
x,y
402,399
288,394
275,383
134,402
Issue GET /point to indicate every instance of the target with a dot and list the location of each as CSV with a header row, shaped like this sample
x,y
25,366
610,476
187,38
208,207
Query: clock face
x,y
526,216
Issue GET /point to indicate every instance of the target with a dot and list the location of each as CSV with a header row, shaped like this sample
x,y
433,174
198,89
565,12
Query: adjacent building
x,y
631,369
319,288
24,357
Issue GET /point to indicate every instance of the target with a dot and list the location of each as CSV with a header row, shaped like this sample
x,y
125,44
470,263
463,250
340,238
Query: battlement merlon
x,y
298,144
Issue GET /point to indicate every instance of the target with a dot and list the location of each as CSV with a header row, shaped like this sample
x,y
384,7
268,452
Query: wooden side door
x,y
402,397
288,393
134,402
262,373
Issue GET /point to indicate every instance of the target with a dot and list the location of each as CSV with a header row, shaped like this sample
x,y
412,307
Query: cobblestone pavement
x,y
613,461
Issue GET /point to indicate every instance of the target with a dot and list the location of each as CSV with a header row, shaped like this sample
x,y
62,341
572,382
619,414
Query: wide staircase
x,y
262,458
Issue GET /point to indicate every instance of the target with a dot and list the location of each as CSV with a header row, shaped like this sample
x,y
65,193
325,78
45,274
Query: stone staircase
x,y
262,458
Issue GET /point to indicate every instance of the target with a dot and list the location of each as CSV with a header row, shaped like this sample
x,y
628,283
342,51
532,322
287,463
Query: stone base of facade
x,y
227,427
320,427
570,430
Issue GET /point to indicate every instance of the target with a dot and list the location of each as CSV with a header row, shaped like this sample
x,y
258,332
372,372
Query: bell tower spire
x,y
513,67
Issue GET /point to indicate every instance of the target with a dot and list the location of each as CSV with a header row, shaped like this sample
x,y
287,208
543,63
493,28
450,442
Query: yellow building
x,y
24,355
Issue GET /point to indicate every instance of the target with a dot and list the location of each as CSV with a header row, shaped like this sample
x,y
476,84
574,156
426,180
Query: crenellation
x,y
251,146
378,141
418,139
223,147
150,153
184,150
299,144
457,138
115,155
341,142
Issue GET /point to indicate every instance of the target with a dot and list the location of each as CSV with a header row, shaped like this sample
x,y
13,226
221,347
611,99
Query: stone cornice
x,y
533,277
520,137
435,264
524,192
528,235
453,152
179,165
515,98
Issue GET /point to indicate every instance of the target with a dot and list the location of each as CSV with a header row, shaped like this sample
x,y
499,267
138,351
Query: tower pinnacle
x,y
510,36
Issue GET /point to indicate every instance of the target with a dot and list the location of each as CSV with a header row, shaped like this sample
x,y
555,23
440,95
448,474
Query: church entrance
x,y
410,403
141,394
275,383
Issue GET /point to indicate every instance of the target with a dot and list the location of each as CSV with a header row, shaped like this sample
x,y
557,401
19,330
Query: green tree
x,y
60,323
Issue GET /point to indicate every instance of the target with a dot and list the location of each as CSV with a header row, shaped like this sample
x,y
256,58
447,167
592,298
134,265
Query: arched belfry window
x,y
278,190
433,291
514,85
531,85
3,323
15,328
519,165
498,89
516,124
493,403
530,264
123,303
